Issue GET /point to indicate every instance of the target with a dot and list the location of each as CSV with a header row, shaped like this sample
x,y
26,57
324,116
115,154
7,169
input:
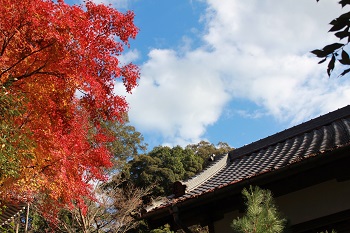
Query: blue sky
x,y
232,71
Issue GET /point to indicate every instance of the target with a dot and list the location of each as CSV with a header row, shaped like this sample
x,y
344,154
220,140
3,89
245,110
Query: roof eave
x,y
260,179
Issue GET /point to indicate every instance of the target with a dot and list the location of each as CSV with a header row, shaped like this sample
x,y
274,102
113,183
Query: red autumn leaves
x,y
59,63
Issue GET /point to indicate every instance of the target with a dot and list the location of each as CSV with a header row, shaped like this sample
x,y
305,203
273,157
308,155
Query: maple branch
x,y
82,92
26,118
5,43
36,71
23,58
56,74
31,73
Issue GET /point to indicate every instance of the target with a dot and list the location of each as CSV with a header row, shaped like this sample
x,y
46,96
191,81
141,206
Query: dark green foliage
x,y
164,165
261,215
8,229
38,223
337,51
14,141
205,149
164,229
128,143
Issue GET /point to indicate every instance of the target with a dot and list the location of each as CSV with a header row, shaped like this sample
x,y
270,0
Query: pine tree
x,y
261,214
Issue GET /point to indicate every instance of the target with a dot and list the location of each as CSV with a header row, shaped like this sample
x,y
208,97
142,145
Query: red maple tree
x,y
60,63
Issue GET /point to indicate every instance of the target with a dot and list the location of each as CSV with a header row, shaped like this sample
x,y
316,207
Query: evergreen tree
x,y
164,229
261,214
164,165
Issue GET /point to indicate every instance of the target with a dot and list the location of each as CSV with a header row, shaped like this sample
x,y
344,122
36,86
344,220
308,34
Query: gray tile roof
x,y
310,139
280,150
196,181
9,212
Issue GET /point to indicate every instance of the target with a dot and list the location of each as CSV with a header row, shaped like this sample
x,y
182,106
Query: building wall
x,y
307,204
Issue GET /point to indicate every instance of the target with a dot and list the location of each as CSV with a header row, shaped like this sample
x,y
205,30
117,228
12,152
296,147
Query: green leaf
x,y
345,72
345,17
323,60
340,22
345,60
332,47
345,55
331,66
337,27
319,53
344,2
342,34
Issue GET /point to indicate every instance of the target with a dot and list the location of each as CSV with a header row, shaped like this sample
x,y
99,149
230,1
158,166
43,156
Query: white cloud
x,y
177,97
256,50
119,4
266,47
129,56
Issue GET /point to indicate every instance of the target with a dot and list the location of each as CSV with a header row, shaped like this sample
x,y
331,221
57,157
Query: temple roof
x,y
9,212
292,146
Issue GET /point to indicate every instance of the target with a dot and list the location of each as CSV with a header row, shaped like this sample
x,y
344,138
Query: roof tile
x,y
274,152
